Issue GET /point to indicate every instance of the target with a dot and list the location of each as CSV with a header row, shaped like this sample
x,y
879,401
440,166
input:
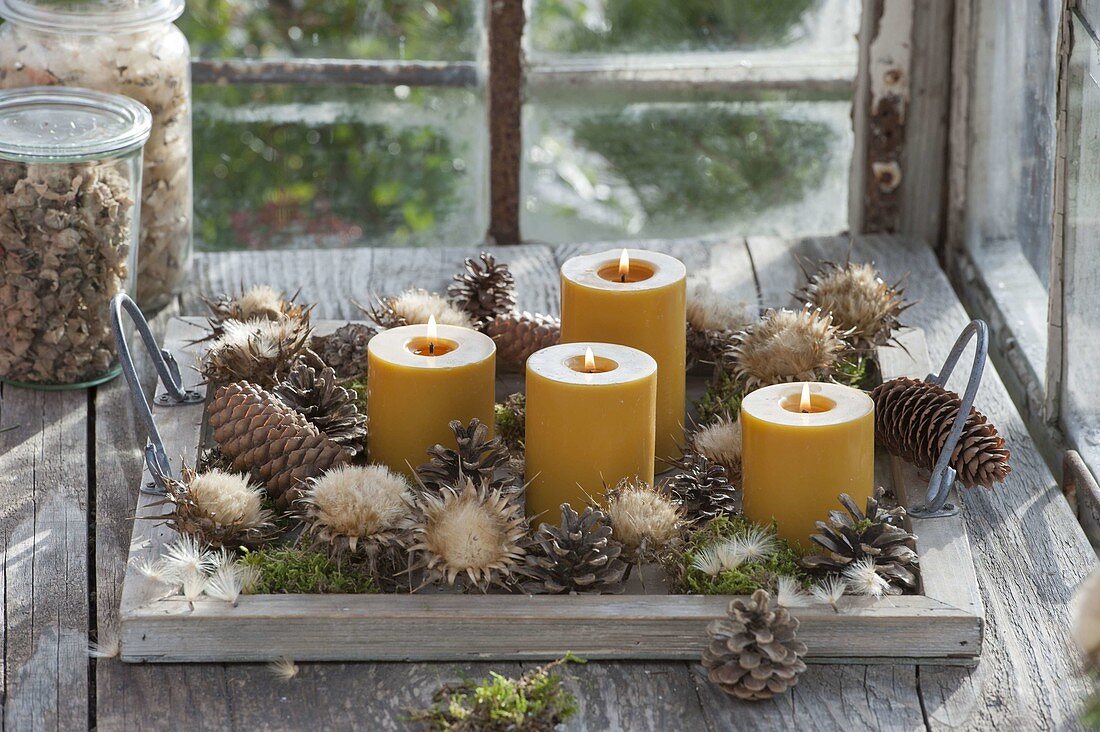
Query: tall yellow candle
x,y
419,378
637,299
590,422
802,445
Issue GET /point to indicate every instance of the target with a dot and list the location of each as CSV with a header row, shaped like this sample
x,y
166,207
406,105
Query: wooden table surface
x,y
69,473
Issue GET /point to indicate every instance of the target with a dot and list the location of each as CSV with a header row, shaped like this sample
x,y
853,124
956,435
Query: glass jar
x,y
125,47
70,178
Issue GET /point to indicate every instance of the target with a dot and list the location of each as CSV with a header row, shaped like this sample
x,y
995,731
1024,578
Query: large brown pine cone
x,y
754,653
579,556
479,458
315,393
518,335
913,419
268,439
484,290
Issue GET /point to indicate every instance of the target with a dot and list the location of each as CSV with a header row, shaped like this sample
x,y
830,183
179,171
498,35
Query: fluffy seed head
x,y
787,345
645,520
864,579
859,300
283,669
830,590
352,504
218,508
228,498
227,581
789,593
1086,618
474,532
720,442
187,557
255,350
707,310
708,561
416,306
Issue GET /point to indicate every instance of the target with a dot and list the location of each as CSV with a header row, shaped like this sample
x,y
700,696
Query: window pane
x,y
600,166
1010,176
374,29
1081,410
631,26
297,166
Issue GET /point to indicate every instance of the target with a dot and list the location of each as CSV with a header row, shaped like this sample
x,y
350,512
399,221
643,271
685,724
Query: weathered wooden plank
x,y
43,470
634,696
1028,675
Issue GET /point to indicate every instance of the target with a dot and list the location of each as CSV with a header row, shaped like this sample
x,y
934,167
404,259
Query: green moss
x,y
510,421
286,570
853,371
534,702
746,578
360,388
721,399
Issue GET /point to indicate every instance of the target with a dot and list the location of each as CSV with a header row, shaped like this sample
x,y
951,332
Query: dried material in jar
x,y
153,67
64,251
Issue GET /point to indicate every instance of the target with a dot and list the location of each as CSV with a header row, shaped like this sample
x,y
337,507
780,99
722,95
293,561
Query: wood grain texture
x,y
43,523
1030,553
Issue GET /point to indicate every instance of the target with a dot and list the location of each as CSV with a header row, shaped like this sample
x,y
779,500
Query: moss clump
x,y
535,702
286,570
855,371
359,386
747,577
510,421
721,399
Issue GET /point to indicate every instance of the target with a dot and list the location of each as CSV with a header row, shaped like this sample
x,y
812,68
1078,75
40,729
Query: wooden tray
x,y
943,624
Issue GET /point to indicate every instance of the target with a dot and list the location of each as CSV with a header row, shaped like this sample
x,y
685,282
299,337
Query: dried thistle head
x,y
787,345
473,533
255,350
356,508
219,509
707,309
416,306
646,521
720,442
259,302
859,300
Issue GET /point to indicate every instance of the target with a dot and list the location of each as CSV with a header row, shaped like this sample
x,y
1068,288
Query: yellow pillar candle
x,y
637,299
419,378
590,422
802,445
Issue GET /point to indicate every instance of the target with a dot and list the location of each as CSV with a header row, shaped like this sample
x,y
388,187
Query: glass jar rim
x,y
88,21
128,124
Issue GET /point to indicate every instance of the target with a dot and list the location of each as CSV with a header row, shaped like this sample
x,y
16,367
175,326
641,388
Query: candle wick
x,y
431,348
622,277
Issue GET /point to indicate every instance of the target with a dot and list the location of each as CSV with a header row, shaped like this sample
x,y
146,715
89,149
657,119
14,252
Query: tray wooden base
x,y
941,625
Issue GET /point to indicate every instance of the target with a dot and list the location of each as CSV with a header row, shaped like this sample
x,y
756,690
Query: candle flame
x,y
433,334
624,265
805,404
589,360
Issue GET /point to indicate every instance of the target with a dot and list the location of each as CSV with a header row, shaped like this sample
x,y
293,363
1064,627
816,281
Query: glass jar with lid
x,y
128,47
70,183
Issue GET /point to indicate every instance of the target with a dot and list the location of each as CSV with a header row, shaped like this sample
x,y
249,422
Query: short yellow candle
x,y
417,382
637,299
802,446
590,422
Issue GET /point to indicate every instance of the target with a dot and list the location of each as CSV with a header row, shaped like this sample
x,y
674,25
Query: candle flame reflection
x,y
589,361
433,335
805,404
624,266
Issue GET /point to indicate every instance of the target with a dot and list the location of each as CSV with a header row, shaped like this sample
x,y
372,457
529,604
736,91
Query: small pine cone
x,y
703,488
479,458
317,395
913,419
483,290
754,653
518,335
263,436
345,350
579,556
877,534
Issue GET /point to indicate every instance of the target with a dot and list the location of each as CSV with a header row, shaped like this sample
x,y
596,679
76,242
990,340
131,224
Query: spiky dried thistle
x,y
414,307
785,346
648,522
860,301
353,509
258,351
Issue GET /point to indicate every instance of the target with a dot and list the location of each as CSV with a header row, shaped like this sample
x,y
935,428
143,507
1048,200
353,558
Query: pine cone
x,y
518,335
876,533
579,556
331,408
345,350
913,419
754,653
484,290
263,436
479,458
703,488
